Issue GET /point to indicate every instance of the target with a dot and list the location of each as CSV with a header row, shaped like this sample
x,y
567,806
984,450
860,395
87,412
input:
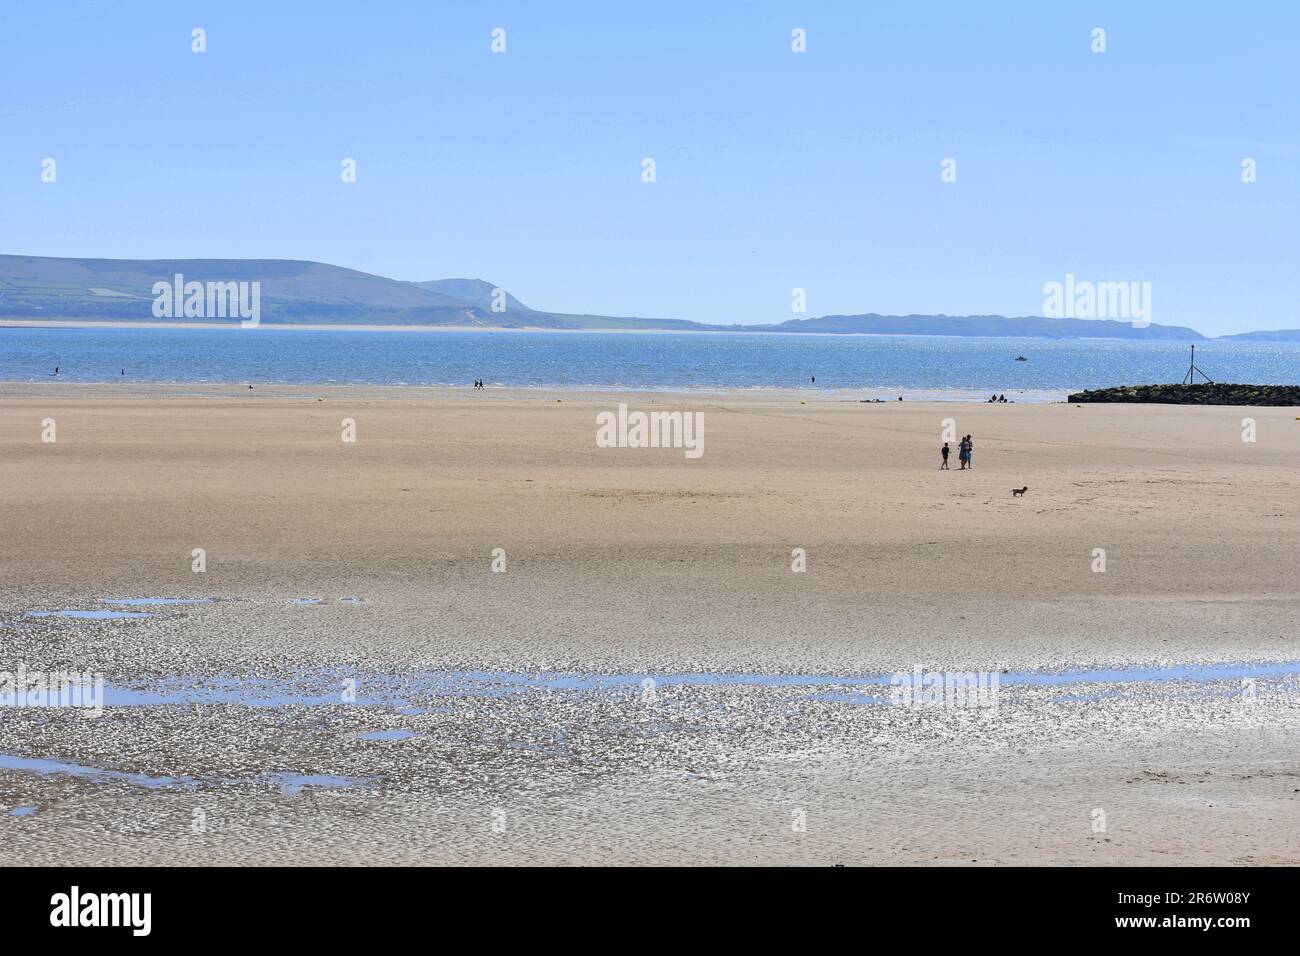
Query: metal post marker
x,y
1189,378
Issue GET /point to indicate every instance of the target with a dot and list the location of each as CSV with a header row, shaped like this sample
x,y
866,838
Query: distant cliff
x,y
1219,393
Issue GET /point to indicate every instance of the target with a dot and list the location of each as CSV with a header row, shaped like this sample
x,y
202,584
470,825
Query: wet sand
x,y
229,735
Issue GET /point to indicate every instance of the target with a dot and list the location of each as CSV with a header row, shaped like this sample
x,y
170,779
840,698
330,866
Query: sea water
x,y
865,366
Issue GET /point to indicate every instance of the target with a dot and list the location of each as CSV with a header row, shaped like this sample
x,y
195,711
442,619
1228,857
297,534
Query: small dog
x,y
1019,492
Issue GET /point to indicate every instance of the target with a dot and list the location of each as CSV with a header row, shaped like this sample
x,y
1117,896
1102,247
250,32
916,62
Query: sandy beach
x,y
647,680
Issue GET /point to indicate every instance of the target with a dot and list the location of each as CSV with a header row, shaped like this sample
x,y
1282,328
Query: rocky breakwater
x,y
1205,393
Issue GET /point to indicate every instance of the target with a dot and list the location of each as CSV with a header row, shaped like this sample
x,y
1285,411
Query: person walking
x,y
944,452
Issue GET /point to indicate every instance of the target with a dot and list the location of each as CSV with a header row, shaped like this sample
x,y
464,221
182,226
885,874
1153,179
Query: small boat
x,y
1021,358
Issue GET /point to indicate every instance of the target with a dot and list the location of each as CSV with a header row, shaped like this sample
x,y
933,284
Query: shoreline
x,y
875,395
805,396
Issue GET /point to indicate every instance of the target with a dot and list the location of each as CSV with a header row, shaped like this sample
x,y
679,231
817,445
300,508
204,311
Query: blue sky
x,y
775,170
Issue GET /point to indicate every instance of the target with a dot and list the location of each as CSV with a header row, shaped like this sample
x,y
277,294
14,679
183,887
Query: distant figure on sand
x,y
963,453
56,370
944,452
